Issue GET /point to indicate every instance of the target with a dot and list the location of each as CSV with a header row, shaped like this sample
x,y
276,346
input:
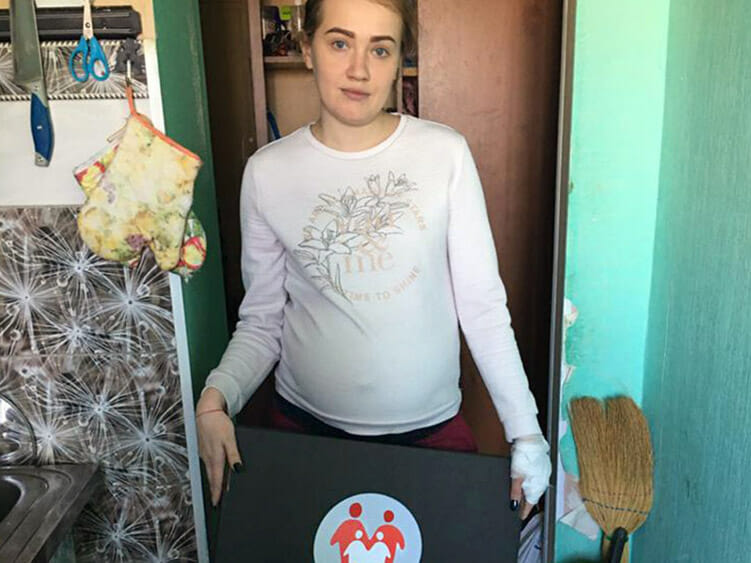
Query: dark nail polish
x,y
514,505
238,467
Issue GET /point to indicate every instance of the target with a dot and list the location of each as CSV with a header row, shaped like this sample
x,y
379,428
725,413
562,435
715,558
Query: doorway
x,y
495,79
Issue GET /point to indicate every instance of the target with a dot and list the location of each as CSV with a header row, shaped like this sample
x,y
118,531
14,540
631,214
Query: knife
x,y
27,66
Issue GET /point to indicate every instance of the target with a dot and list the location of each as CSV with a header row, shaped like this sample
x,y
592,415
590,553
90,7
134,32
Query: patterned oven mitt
x,y
139,192
193,251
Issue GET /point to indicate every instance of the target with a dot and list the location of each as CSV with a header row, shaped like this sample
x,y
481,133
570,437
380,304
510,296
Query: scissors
x,y
88,55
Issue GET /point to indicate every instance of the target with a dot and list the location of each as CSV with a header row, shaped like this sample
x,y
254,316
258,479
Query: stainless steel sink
x,y
10,492
38,506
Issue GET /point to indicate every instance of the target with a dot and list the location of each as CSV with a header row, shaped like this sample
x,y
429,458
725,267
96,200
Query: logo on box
x,y
368,528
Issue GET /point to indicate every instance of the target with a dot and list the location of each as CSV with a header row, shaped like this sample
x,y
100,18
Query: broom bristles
x,y
615,461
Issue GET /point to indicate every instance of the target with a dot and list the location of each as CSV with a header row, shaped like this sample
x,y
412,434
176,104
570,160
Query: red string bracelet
x,y
208,411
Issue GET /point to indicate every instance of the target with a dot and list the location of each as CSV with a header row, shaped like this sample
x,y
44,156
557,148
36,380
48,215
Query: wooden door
x,y
490,69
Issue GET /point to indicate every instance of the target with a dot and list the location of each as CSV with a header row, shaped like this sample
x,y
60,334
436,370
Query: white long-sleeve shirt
x,y
358,269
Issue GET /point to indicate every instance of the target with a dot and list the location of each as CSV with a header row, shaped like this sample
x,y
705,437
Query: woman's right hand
x,y
217,445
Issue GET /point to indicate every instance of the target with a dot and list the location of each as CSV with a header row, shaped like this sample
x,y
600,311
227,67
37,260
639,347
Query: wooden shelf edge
x,y
297,61
290,61
284,2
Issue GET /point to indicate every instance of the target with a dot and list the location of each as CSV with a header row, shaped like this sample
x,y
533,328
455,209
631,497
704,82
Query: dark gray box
x,y
291,481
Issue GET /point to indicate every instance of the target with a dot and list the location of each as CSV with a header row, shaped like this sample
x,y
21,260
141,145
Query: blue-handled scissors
x,y
88,55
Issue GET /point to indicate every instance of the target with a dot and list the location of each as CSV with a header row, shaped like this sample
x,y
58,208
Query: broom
x,y
615,467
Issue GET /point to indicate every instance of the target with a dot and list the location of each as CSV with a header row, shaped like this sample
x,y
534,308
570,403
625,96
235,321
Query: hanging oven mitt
x,y
193,251
142,198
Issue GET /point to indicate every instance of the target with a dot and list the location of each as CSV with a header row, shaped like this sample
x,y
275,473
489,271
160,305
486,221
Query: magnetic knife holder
x,y
64,24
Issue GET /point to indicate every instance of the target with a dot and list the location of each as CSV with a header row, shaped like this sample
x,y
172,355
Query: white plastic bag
x,y
530,547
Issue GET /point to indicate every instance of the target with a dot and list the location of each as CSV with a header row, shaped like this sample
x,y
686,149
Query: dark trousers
x,y
453,434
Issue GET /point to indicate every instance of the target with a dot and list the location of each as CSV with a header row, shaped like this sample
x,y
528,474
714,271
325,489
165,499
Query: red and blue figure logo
x,y
368,528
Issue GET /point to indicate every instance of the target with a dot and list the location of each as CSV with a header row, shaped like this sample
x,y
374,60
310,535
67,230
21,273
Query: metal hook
x,y
129,60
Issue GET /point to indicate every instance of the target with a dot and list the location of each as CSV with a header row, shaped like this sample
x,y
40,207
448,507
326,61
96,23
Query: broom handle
x,y
618,545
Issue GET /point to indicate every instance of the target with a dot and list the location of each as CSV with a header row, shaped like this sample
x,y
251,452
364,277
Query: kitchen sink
x,y
38,506
10,492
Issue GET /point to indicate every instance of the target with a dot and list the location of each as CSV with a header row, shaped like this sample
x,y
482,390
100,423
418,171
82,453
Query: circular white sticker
x,y
368,528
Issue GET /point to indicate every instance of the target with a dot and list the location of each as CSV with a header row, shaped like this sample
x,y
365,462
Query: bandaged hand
x,y
530,471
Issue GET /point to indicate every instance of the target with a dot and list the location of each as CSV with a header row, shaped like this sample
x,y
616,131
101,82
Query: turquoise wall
x,y
698,363
618,93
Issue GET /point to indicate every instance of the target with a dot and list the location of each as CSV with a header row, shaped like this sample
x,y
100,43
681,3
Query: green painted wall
x,y
186,117
618,93
698,363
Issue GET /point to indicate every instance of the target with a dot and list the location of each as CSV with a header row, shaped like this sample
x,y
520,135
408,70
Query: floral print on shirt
x,y
355,222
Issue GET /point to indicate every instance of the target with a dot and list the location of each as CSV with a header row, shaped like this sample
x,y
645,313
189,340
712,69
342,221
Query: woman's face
x,y
355,55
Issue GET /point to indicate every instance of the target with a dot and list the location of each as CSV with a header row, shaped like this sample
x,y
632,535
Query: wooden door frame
x,y
568,31
257,72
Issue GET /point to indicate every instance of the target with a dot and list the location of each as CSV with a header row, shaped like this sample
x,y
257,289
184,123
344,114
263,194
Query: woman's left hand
x,y
530,472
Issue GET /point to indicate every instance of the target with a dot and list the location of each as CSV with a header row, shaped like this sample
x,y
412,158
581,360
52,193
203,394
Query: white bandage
x,y
530,461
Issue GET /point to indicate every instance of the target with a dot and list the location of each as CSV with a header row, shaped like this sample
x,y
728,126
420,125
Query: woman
x,y
365,243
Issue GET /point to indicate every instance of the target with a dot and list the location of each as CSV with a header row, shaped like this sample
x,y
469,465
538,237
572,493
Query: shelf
x,y
297,62
289,61
281,3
